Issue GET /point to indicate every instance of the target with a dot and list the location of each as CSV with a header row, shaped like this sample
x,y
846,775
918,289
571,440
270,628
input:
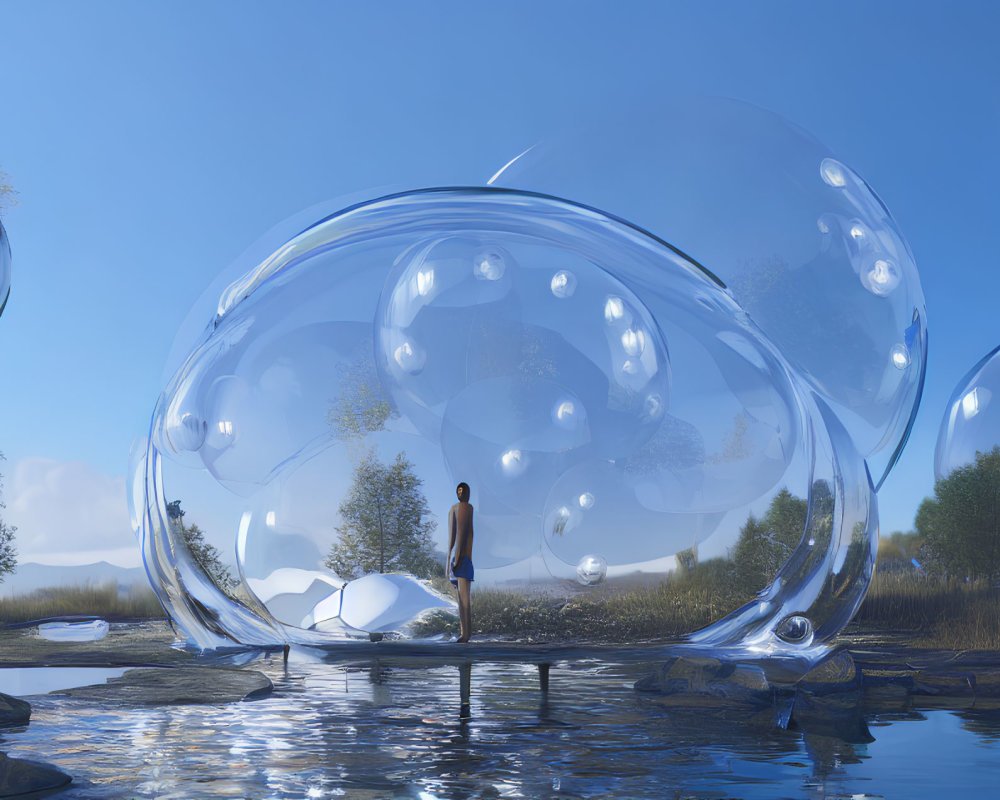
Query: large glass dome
x,y
631,409
801,241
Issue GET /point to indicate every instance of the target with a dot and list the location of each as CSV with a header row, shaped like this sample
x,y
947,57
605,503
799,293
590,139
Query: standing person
x,y
460,565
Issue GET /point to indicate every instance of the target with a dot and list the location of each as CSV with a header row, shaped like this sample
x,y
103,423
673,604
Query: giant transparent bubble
x,y
4,268
801,241
628,422
971,424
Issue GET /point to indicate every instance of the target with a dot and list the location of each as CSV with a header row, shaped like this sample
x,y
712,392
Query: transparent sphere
x,y
621,420
591,570
4,268
971,423
795,629
797,237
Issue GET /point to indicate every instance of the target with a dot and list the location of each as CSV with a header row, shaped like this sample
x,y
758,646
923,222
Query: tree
x,y
8,552
960,525
385,523
207,556
765,544
363,406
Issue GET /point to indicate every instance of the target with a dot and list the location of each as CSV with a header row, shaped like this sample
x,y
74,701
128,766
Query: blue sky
x,y
152,143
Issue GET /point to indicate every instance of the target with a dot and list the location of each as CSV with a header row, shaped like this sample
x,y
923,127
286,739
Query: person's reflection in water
x,y
465,691
378,679
545,716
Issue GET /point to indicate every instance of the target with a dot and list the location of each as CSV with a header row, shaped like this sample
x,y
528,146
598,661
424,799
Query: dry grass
x,y
933,612
936,612
943,613
671,608
102,600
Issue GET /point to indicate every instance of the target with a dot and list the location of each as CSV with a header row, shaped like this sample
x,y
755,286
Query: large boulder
x,y
13,711
175,686
23,778
717,688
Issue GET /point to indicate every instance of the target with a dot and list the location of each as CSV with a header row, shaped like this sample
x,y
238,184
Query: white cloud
x,y
67,512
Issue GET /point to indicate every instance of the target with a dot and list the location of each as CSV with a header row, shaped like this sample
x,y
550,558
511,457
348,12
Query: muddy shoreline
x,y
882,658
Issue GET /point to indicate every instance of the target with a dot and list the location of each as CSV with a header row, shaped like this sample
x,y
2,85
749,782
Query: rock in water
x,y
177,685
835,673
13,711
716,688
828,701
20,778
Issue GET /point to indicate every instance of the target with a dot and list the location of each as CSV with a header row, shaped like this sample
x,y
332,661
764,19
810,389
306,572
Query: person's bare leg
x,y
461,609
465,608
468,610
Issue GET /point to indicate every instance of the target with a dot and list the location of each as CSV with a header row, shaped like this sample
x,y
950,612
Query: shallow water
x,y
376,731
19,681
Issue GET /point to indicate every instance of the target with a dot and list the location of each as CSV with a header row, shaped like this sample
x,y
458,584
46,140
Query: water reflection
x,y
985,723
25,681
375,729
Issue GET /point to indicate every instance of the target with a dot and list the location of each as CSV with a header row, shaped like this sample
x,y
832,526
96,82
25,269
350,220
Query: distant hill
x,y
30,576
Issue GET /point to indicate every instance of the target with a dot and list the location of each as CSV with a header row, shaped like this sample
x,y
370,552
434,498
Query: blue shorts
x,y
464,570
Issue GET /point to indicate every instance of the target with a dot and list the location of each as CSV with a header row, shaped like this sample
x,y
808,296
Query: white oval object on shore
x,y
83,631
382,603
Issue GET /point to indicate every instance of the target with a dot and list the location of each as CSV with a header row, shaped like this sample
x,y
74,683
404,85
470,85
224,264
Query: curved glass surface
x,y
971,424
4,268
801,241
622,420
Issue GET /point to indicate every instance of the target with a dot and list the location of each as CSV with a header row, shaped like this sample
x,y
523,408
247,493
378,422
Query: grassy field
x,y
102,600
637,613
932,612
943,613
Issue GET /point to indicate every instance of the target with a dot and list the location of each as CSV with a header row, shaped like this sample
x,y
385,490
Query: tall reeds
x,y
937,611
101,600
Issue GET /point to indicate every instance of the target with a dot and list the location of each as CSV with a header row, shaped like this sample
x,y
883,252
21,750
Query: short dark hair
x,y
464,485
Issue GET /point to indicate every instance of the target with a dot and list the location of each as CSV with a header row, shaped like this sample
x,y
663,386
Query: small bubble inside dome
x,y
614,309
900,356
410,357
633,341
568,413
881,278
563,284
591,570
513,463
188,433
489,266
832,172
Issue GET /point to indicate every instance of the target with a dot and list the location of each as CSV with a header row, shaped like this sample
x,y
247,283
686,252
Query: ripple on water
x,y
383,731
